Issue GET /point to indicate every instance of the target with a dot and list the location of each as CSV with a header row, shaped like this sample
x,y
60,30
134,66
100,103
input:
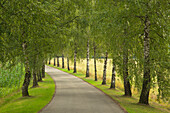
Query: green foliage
x,y
10,79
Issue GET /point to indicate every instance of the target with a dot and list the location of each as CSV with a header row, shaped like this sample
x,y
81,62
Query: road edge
x,y
97,89
52,96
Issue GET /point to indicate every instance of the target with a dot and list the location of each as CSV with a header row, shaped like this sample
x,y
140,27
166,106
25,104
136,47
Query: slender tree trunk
x,y
75,55
113,76
54,62
104,71
127,88
161,85
95,68
62,61
58,64
87,69
144,97
43,70
68,67
27,73
35,82
49,61
26,83
39,76
46,61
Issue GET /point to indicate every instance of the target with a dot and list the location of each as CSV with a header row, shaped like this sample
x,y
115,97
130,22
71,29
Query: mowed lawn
x,y
39,97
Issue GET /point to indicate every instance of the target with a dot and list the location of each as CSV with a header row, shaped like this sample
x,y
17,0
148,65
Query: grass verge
x,y
39,97
130,104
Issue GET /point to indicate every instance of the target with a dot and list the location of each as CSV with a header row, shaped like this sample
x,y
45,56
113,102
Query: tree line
x,y
134,33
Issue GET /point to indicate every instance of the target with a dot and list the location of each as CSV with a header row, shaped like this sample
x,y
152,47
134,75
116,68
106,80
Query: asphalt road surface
x,y
73,95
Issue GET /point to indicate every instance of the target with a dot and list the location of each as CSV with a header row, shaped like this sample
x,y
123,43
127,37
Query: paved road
x,y
73,95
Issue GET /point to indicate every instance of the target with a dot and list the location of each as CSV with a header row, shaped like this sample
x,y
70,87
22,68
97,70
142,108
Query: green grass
x,y
130,104
39,97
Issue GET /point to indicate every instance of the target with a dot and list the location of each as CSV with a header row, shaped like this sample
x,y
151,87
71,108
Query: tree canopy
x,y
135,33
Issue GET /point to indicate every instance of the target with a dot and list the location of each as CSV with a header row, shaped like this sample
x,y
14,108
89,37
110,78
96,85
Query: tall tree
x,y
95,67
113,79
27,71
144,97
35,82
127,86
58,64
39,76
62,60
49,61
75,56
104,69
68,65
87,69
43,70
54,62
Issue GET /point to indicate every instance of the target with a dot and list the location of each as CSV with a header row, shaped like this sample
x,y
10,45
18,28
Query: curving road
x,y
73,95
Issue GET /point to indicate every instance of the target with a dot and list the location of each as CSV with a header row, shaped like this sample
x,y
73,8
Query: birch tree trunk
x,y
104,71
62,60
54,62
68,66
113,76
39,76
75,55
95,68
144,97
127,88
87,69
35,82
43,70
49,61
58,64
46,61
27,72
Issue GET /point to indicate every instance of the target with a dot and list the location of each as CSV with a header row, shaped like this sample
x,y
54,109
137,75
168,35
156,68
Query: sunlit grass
x,y
39,97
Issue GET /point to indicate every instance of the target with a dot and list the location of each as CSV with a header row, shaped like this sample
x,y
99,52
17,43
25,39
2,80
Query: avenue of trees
x,y
134,33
